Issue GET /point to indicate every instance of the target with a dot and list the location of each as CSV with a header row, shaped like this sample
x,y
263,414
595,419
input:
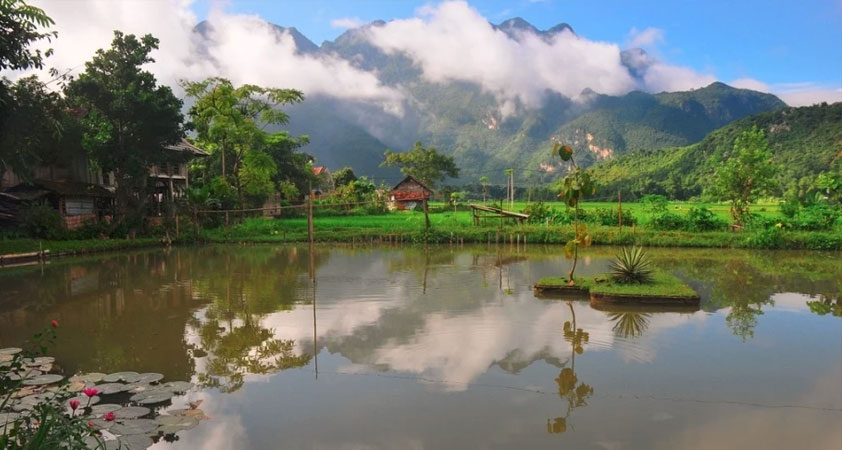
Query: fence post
x,y
310,215
620,208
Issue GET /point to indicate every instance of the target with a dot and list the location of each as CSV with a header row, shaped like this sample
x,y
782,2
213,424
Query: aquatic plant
x,y
632,266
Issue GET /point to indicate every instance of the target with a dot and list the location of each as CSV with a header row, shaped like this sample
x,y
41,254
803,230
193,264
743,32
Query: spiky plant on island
x,y
632,266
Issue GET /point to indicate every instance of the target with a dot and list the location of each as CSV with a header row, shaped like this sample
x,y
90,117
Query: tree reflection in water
x,y
569,387
231,336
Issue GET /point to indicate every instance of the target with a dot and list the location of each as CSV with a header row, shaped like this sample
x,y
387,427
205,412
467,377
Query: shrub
x,y
538,212
43,222
609,217
815,217
667,221
770,237
91,229
632,266
703,219
655,203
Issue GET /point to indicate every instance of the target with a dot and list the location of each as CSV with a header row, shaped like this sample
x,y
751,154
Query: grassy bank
x,y
457,227
449,226
75,247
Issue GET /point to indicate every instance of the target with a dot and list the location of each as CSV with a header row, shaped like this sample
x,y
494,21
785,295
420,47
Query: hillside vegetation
x,y
804,141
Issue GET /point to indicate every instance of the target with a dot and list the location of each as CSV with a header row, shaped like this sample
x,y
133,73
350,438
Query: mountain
x,y
463,120
804,141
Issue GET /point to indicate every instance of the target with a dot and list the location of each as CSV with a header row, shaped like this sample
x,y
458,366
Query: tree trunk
x,y
426,215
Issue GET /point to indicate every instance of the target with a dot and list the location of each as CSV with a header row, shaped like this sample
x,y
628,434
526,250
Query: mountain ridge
x,y
463,120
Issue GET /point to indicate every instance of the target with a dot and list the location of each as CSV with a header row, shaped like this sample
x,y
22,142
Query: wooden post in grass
x,y
620,209
310,216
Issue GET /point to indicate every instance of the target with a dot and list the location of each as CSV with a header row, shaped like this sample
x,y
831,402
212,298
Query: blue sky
x,y
778,42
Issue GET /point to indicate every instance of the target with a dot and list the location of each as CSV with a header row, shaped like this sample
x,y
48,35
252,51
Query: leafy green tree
x,y
21,26
231,119
129,118
747,174
574,186
829,184
456,198
344,176
32,127
484,182
293,165
256,174
425,164
289,192
28,112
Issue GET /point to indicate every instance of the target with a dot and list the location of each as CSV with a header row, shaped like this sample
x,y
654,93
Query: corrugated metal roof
x,y
186,146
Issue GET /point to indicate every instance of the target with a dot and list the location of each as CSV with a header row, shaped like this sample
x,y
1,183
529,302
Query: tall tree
x,y
747,174
233,118
33,127
28,112
425,164
129,119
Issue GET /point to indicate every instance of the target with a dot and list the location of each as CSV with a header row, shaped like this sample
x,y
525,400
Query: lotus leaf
x,y
131,412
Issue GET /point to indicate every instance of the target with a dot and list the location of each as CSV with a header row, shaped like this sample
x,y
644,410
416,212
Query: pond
x,y
449,348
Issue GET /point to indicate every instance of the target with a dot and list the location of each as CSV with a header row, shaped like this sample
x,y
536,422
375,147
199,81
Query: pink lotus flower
x,y
109,417
90,392
74,404
54,323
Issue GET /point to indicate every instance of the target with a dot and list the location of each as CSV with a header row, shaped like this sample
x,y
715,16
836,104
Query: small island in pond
x,y
664,289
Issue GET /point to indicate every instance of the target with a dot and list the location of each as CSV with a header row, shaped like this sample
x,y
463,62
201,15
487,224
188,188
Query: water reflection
x,y
416,339
569,386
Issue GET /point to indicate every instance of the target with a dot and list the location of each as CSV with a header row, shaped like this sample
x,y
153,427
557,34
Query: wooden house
x,y
409,193
80,193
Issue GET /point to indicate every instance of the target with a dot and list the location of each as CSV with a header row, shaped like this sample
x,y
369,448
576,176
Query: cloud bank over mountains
x,y
449,41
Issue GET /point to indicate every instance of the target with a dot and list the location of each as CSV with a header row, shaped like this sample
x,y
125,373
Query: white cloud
x,y
810,95
244,48
454,42
661,77
794,94
750,83
347,22
646,37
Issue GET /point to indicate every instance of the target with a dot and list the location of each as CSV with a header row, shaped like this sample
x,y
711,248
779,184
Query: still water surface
x,y
403,348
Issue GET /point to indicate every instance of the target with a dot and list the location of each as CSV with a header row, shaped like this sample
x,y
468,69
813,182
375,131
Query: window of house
x,y
79,206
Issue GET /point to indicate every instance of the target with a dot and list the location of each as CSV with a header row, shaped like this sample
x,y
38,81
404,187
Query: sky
x,y
792,49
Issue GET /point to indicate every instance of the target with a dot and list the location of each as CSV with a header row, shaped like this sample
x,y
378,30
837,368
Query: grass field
x,y
639,210
449,226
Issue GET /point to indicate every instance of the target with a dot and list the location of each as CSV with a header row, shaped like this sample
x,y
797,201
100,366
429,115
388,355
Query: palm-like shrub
x,y
632,266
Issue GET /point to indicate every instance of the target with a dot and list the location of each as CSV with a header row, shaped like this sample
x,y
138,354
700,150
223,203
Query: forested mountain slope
x,y
804,141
